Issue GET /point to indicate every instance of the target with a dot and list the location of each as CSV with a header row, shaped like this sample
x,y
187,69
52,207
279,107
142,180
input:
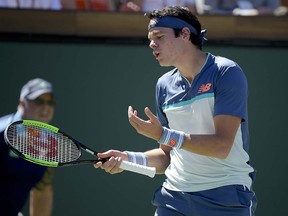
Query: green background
x,y
95,84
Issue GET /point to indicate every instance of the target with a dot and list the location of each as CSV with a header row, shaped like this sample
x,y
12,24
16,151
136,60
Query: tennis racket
x,y
46,145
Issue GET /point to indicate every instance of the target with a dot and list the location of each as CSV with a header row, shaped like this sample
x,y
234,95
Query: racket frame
x,y
140,169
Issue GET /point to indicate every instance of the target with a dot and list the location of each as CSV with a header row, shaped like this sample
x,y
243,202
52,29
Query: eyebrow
x,y
155,33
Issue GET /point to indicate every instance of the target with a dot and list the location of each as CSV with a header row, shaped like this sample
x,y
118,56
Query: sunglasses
x,y
41,102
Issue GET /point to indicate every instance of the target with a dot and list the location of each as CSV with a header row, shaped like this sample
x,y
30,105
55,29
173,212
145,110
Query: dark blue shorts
x,y
232,200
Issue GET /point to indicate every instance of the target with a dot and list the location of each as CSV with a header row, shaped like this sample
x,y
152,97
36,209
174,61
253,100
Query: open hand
x,y
151,128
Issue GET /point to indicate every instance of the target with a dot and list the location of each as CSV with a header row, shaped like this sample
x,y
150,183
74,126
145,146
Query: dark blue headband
x,y
176,23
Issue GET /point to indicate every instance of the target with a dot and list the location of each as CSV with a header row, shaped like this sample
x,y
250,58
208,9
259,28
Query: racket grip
x,y
140,169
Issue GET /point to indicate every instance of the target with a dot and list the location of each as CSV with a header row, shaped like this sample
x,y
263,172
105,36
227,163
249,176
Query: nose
x,y
152,44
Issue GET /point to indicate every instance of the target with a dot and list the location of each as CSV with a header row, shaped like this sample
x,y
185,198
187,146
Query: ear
x,y
185,33
22,104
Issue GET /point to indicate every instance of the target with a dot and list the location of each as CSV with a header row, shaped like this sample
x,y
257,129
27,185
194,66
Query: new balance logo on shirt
x,y
204,88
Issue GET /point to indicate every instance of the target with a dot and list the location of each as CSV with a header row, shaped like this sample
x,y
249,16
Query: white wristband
x,y
137,157
172,138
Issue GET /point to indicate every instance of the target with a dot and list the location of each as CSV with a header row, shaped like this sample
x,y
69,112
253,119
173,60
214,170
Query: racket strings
x,y
43,144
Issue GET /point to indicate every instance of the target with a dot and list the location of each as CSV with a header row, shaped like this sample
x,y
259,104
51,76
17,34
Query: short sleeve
x,y
231,93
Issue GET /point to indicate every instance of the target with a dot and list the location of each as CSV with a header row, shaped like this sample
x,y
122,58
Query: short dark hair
x,y
182,13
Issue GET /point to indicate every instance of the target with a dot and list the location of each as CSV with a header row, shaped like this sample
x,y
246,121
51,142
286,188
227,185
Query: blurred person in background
x,y
20,178
149,5
96,5
256,7
32,4
215,6
90,5
237,7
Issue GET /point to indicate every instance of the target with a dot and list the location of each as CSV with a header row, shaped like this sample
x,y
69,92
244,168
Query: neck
x,y
192,65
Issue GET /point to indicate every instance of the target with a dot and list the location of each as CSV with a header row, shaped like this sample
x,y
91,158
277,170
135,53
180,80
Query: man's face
x,y
166,47
40,109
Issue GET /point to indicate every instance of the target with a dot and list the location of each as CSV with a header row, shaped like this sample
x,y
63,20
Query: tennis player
x,y
201,125
20,178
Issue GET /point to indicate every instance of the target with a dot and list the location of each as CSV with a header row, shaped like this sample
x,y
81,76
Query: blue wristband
x,y
172,138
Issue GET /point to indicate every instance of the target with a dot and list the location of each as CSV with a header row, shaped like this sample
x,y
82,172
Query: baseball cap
x,y
34,88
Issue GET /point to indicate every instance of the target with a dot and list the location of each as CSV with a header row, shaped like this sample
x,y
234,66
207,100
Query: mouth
x,y
44,115
156,54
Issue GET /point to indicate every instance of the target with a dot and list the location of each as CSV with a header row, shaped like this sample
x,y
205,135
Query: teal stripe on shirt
x,y
183,103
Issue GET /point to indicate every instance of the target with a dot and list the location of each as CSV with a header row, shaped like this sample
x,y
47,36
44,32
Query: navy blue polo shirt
x,y
18,176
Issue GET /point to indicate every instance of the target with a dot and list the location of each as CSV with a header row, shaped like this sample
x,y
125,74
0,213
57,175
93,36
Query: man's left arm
x,y
41,196
214,145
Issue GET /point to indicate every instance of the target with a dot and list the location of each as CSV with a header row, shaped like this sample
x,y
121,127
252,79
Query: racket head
x,y
41,143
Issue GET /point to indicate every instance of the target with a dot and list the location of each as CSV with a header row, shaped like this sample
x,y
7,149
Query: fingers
x,y
132,115
150,115
151,128
131,112
97,165
133,118
112,164
105,154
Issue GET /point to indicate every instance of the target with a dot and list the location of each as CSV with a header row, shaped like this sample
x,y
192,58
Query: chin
x,y
164,65
45,120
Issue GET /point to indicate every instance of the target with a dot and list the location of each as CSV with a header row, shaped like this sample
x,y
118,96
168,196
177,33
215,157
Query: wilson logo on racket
x,y
47,146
